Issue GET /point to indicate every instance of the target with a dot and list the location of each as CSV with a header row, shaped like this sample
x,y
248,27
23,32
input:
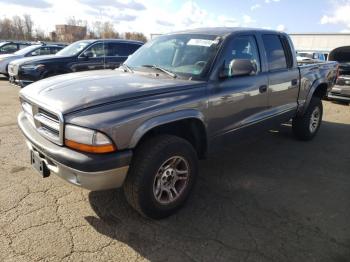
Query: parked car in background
x,y
9,47
80,56
310,57
341,91
180,97
29,51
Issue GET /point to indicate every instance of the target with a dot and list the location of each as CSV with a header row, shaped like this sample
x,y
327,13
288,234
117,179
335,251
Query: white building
x,y
323,42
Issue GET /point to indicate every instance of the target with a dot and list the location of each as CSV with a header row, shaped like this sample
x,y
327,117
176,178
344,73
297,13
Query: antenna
x,y
103,43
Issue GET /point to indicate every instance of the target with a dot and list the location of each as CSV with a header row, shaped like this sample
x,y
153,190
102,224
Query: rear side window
x,y
121,49
54,50
287,51
44,50
275,52
9,48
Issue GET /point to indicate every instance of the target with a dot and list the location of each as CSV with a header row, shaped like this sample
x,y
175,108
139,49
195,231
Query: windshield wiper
x,y
127,68
173,75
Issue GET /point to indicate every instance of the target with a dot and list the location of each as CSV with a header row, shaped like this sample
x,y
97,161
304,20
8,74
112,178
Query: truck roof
x,y
222,31
112,40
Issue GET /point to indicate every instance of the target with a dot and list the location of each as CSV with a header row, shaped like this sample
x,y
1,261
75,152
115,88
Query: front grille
x,y
48,114
48,123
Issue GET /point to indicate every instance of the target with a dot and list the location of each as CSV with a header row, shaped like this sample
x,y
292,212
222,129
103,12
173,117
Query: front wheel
x,y
305,127
161,176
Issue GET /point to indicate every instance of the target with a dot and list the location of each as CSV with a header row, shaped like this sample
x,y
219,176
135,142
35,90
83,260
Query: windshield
x,y
73,49
183,54
2,43
27,50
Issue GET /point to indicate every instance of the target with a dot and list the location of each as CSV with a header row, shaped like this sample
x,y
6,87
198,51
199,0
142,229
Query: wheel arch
x,y
318,89
188,124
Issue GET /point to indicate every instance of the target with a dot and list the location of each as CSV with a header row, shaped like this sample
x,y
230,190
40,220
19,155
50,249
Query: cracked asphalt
x,y
271,198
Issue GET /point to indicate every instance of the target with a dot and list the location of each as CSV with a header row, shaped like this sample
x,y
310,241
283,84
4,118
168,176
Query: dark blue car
x,y
80,56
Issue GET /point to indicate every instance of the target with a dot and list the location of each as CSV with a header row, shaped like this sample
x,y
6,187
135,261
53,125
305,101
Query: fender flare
x,y
162,120
312,90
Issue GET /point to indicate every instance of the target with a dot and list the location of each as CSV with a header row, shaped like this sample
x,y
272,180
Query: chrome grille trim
x,y
48,122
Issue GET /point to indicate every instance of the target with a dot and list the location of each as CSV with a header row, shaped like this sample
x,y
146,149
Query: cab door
x,y
283,87
237,102
93,58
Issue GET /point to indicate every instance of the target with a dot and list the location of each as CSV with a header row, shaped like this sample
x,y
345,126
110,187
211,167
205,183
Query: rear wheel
x,y
161,176
305,127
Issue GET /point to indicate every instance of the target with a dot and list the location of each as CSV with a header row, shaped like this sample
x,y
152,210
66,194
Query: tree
x,y
108,31
40,35
136,36
18,26
76,22
6,29
103,30
23,28
28,26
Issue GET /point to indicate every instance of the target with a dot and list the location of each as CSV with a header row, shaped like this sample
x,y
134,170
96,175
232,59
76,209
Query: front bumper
x,y
3,67
23,78
21,83
90,171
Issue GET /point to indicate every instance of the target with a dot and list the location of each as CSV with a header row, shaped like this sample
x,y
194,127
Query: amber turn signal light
x,y
98,149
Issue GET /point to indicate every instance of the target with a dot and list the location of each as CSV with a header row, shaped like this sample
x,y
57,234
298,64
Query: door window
x,y
241,47
44,50
121,49
97,50
9,48
275,52
54,50
22,46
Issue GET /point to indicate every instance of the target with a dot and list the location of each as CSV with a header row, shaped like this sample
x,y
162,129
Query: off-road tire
x,y
301,124
147,159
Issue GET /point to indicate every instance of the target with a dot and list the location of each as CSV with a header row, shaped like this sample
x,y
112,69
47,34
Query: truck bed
x,y
312,74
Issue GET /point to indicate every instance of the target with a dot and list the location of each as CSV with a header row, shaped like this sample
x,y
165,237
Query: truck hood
x,y
75,91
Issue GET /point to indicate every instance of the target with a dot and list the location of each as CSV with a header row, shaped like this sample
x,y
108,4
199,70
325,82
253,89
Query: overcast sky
x,y
162,16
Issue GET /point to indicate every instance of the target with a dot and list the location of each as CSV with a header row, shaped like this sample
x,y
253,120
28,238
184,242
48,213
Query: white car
x,y
305,55
33,50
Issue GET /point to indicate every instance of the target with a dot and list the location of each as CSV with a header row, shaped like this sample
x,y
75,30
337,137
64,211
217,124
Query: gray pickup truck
x,y
178,99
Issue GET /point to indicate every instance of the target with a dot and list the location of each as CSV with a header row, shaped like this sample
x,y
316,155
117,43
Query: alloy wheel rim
x,y
315,120
171,180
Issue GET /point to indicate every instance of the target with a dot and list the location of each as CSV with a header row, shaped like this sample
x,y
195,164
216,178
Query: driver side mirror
x,y
238,67
88,54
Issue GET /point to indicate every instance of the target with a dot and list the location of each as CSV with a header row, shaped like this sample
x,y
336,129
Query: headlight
x,y
87,140
32,67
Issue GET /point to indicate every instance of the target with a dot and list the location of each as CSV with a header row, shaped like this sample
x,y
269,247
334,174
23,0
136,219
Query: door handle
x,y
263,89
294,82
